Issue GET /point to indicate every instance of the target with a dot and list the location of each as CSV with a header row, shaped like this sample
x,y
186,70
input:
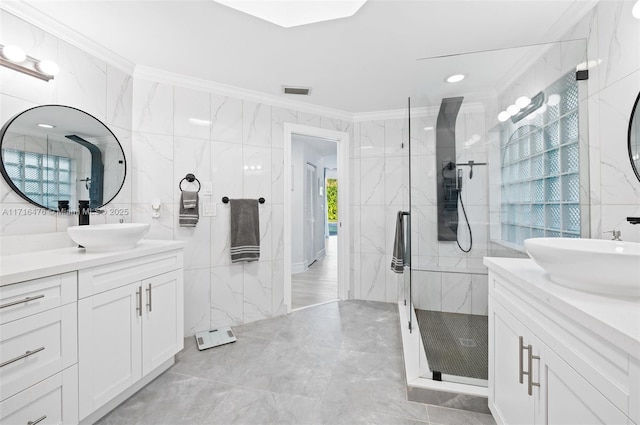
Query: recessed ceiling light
x,y
455,78
428,128
294,13
636,10
46,126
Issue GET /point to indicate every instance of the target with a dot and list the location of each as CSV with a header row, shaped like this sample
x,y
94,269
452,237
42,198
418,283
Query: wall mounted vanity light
x,y
13,57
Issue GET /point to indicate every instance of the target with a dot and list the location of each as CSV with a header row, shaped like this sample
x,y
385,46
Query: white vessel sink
x,y
594,265
108,237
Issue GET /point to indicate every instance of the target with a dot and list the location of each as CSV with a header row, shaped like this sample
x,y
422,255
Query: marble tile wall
x,y
168,131
379,184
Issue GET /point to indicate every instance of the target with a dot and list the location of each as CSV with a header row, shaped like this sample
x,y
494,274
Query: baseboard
x,y
321,254
299,267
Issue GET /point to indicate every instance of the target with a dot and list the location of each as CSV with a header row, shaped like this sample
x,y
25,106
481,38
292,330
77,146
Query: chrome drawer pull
x,y
520,359
531,383
26,300
149,297
37,421
139,300
25,355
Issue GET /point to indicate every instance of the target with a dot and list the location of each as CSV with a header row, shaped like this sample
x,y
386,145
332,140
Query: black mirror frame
x,y
6,177
635,114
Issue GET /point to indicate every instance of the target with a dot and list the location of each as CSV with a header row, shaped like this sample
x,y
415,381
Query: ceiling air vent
x,y
304,91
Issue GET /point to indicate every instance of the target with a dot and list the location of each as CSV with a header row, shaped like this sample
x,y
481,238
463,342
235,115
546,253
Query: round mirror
x,y
56,156
634,138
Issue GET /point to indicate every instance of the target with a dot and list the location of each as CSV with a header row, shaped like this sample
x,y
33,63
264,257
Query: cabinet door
x,y
508,398
162,327
569,398
109,328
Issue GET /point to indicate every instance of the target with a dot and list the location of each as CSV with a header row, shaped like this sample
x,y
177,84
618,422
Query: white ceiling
x,y
364,63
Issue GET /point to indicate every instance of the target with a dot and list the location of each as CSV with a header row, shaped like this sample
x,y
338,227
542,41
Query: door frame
x,y
344,212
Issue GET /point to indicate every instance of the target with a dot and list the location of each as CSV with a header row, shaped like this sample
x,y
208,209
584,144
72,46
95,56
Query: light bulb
x,y
14,53
554,100
503,116
512,110
523,102
48,67
455,78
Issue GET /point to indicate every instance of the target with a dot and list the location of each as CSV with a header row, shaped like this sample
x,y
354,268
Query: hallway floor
x,y
320,282
338,363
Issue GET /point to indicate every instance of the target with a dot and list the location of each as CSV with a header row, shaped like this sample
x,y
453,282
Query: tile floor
x,y
339,363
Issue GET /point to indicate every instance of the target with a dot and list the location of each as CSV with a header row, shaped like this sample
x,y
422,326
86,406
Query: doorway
x,y
316,264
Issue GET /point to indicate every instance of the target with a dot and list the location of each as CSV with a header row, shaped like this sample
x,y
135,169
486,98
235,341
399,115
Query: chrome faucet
x,y
616,234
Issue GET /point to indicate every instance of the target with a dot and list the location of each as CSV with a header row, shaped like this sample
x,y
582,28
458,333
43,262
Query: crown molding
x,y
41,20
167,77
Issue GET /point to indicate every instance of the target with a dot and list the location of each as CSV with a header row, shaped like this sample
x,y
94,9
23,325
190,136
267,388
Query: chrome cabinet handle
x,y
22,356
26,300
149,297
139,301
531,384
37,421
521,359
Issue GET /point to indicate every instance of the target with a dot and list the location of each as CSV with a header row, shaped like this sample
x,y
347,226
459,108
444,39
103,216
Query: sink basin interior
x,y
108,237
594,265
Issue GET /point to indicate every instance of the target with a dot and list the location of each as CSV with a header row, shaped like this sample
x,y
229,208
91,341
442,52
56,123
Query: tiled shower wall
x,y
444,277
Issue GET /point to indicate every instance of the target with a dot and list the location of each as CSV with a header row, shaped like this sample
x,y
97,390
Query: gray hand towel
x,y
245,230
188,214
397,262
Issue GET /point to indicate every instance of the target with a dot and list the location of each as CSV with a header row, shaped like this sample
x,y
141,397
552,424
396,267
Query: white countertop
x,y
20,267
616,319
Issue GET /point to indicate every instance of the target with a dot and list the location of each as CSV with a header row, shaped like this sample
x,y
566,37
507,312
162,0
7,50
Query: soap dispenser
x,y
84,212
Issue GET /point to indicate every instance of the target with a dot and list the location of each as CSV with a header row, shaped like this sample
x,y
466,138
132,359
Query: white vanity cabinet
x,y
129,324
81,332
38,351
550,360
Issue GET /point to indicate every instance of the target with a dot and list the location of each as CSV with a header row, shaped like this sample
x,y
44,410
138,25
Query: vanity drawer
x,y
36,347
34,296
55,399
99,279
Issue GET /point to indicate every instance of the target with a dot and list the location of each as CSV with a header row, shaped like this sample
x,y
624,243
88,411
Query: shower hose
x,y
468,225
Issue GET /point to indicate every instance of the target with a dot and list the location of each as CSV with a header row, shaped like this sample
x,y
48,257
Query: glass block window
x,y
43,178
540,168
